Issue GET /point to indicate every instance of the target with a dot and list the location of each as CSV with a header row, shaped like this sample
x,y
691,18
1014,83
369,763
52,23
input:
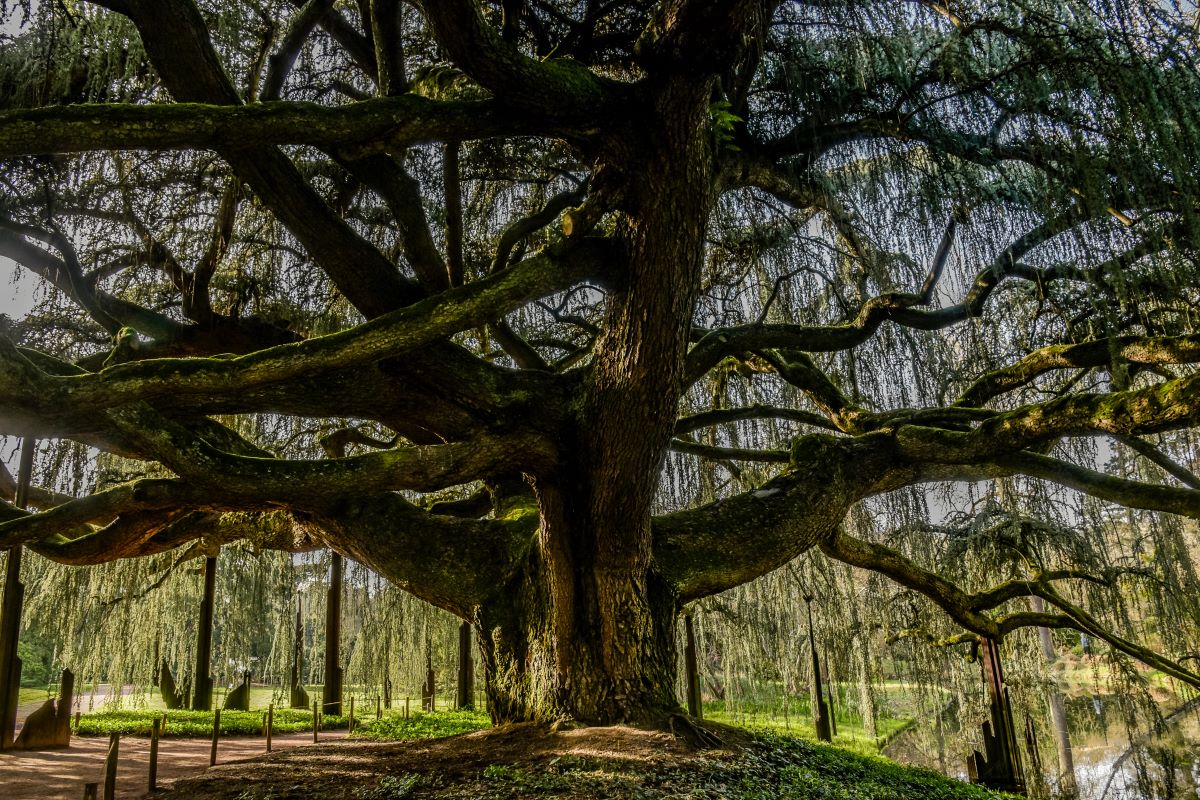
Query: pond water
x,y
1162,763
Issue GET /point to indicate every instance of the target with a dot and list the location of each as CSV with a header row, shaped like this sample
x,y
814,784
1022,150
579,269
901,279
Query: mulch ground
x,y
54,774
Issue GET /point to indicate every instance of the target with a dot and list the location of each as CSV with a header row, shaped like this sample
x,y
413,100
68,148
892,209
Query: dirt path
x,y
55,774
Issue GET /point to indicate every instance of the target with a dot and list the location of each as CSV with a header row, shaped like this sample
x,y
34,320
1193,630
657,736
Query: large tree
x,y
520,265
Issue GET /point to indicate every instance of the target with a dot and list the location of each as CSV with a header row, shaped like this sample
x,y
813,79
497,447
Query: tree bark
x,y
590,632
331,690
202,677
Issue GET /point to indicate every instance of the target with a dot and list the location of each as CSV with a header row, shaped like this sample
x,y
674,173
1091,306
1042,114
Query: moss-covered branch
x,y
724,416
1168,405
552,89
1133,494
715,547
1147,350
356,129
312,484
24,386
965,608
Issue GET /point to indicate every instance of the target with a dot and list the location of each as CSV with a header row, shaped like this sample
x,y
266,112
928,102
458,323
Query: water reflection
x,y
1158,765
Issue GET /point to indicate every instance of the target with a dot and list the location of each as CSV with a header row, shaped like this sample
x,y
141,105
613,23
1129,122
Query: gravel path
x,y
54,774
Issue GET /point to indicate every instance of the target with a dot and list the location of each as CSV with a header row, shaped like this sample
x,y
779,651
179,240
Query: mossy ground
x,y
619,763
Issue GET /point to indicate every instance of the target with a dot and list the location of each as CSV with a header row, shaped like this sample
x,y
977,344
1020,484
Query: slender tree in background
x,y
525,263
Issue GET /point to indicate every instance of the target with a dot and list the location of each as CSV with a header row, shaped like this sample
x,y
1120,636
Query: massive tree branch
x,y
356,130
178,43
389,336
1149,350
577,94
715,547
1164,406
964,608
313,484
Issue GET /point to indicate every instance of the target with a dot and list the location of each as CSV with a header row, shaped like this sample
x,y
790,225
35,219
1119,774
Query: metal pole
x,y
10,612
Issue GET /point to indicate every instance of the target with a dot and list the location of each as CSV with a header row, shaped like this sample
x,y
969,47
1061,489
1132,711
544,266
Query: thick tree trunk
x,y
544,662
590,631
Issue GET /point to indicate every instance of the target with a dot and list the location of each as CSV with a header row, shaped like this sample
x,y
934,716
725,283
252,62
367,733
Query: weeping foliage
x,y
1060,135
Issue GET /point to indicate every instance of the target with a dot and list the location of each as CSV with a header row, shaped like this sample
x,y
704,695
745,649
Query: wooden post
x,y
690,666
820,710
378,707
155,730
10,612
78,717
465,697
429,689
297,695
331,692
66,697
212,754
89,791
316,720
829,691
270,724
999,766
202,681
406,708
350,721
110,766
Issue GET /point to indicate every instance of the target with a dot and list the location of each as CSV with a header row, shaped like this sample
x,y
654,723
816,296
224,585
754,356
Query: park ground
x,y
452,754
530,761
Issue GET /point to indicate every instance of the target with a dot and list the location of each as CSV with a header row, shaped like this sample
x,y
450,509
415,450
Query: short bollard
x,y
406,708
378,707
316,721
89,791
155,732
350,721
212,754
110,766
270,724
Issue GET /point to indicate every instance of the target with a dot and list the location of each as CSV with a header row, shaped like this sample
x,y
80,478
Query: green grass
x,y
772,767
394,727
34,695
808,769
795,719
137,722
